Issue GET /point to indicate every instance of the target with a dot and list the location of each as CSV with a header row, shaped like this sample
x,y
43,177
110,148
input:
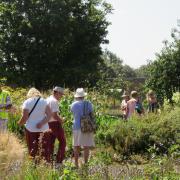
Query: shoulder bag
x,y
34,106
88,122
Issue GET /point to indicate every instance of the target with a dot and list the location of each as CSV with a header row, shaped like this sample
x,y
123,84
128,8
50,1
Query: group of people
x,y
132,104
43,125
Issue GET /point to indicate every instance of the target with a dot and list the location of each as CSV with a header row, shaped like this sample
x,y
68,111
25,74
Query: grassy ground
x,y
102,165
11,154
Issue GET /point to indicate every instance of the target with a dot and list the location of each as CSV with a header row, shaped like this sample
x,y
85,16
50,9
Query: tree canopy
x,y
164,72
47,42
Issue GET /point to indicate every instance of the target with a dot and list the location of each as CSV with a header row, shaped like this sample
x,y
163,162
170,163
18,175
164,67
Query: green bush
x,y
176,98
13,126
140,133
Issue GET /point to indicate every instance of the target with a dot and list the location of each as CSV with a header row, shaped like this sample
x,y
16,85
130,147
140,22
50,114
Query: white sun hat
x,y
80,93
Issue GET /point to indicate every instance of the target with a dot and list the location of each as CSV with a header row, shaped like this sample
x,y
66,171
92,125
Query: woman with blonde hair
x,y
35,115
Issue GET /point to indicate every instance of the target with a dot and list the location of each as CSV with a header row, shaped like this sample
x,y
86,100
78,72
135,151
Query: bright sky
x,y
139,27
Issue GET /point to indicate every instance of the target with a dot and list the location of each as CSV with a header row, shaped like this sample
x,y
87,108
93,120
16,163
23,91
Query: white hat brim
x,y
77,95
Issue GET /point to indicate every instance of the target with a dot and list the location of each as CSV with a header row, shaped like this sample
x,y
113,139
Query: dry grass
x,y
11,153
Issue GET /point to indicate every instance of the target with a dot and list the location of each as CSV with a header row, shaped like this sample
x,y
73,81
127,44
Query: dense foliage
x,y
164,72
139,134
139,141
116,77
43,43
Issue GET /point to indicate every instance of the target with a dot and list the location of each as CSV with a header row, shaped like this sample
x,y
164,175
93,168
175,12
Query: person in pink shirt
x,y
133,105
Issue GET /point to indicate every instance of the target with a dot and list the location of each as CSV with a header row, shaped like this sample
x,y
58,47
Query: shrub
x,y
166,131
176,98
139,134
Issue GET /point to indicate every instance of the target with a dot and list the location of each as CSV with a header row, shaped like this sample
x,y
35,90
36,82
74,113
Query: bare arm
x,y
24,117
46,118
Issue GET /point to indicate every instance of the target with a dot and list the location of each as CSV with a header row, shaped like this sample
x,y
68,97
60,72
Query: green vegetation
x,y
164,72
144,147
43,42
140,134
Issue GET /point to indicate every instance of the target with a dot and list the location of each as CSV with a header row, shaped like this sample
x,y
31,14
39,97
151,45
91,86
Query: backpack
x,y
88,122
138,107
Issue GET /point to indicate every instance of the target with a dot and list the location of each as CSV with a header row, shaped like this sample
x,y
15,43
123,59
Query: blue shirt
x,y
77,108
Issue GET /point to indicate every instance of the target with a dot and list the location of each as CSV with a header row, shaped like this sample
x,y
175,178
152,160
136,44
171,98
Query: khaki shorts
x,y
83,139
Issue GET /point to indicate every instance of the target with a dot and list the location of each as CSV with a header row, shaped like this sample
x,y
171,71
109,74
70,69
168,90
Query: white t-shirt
x,y
54,105
37,114
124,106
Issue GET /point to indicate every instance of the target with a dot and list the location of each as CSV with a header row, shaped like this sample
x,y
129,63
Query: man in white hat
x,y
81,139
55,124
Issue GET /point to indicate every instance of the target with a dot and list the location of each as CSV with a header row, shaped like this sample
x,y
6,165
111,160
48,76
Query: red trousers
x,y
57,132
38,144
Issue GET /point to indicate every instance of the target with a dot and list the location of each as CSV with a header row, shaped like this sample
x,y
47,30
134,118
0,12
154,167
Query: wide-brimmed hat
x,y
58,89
125,94
80,93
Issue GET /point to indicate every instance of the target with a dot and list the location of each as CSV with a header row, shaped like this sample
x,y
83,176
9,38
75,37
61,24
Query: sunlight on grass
x,y
11,153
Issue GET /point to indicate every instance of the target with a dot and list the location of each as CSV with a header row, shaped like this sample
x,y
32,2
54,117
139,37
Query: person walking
x,y
5,105
35,115
152,102
134,105
55,125
79,138
125,97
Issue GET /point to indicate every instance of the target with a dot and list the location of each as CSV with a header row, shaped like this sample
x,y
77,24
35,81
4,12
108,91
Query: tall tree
x,y
111,71
142,71
43,42
164,72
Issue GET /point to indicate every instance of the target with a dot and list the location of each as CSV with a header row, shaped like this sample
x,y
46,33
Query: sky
x,y
139,27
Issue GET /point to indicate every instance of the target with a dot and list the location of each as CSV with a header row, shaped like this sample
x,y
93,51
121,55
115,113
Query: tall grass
x,y
11,153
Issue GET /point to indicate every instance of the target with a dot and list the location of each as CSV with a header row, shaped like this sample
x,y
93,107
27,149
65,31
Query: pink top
x,y
131,104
